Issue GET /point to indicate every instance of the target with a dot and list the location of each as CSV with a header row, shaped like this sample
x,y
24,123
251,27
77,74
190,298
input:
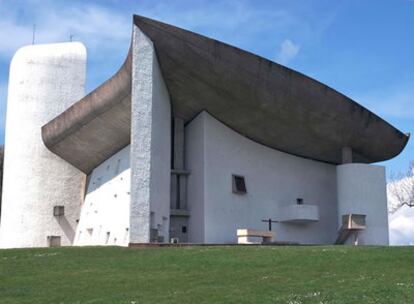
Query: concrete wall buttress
x,y
44,81
362,190
150,144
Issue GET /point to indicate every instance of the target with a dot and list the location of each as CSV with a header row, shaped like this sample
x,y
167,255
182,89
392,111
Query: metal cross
x,y
269,221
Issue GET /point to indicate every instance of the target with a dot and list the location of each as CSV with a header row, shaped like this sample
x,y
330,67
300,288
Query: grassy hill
x,y
208,275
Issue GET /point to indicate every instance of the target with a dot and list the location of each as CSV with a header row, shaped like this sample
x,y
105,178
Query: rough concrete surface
x,y
150,144
44,81
104,218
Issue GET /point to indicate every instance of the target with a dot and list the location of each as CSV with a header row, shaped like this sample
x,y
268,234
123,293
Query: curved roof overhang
x,y
95,127
262,100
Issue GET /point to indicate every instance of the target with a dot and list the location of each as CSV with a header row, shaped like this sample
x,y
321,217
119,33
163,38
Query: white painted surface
x,y
299,213
362,190
150,144
273,179
194,162
104,217
44,81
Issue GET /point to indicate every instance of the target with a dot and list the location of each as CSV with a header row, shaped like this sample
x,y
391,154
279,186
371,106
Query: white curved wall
x,y
362,190
273,179
104,217
44,81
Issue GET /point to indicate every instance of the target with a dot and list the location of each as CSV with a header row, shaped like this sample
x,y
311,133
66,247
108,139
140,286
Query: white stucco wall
x,y
150,144
194,162
362,190
273,179
44,81
104,218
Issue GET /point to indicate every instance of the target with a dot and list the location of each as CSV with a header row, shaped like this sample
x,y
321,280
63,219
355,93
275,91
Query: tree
x,y
401,189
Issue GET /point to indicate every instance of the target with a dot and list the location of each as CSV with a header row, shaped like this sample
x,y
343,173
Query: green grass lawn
x,y
208,275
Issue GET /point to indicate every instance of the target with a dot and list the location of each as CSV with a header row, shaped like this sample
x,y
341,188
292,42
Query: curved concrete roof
x,y
97,126
266,102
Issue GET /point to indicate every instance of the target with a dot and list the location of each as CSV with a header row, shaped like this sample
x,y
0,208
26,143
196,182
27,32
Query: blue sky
x,y
364,49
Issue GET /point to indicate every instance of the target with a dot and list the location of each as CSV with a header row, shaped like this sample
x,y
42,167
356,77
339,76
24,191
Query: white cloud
x,y
96,26
107,25
395,102
288,50
101,26
401,226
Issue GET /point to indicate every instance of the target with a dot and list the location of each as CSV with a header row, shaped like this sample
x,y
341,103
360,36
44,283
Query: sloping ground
x,y
208,275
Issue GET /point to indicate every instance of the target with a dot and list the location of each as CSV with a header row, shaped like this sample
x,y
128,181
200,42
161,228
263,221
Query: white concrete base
x,y
250,236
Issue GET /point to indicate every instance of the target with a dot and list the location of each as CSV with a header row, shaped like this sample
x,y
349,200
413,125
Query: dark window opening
x,y
239,184
299,201
58,210
184,229
54,241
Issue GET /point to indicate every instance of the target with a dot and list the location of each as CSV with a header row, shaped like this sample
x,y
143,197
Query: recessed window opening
x,y
118,166
126,235
165,225
239,184
54,241
58,210
299,201
178,199
152,220
98,182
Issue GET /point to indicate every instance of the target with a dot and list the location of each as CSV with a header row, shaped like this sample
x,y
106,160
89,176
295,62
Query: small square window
x,y
299,201
58,210
239,184
184,229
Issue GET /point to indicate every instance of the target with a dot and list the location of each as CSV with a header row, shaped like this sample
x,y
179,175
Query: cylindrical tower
x,y
44,81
